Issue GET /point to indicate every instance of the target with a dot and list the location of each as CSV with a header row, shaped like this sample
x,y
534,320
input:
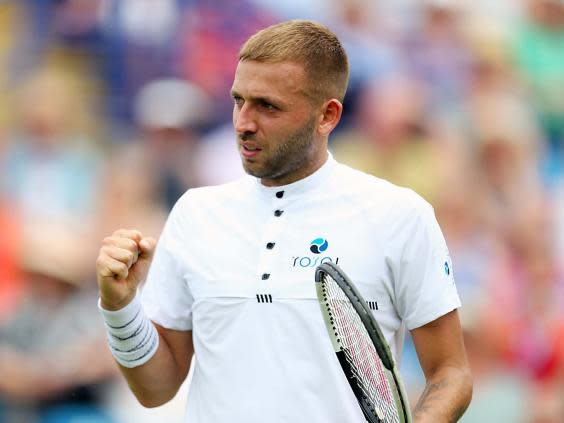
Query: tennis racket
x,y
361,349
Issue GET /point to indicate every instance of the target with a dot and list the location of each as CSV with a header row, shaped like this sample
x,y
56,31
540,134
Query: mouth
x,y
249,149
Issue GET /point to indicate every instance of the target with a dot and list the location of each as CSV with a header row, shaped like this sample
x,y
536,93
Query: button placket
x,y
278,212
270,236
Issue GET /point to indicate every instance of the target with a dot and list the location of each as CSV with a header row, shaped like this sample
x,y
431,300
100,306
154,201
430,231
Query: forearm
x,y
154,360
446,396
157,381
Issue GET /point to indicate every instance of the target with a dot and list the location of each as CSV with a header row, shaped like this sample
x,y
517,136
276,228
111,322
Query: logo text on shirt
x,y
312,261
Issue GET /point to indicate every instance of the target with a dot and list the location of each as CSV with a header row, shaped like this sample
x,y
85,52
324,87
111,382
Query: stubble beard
x,y
289,156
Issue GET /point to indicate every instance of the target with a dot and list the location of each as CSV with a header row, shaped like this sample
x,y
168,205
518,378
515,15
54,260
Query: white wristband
x,y
132,337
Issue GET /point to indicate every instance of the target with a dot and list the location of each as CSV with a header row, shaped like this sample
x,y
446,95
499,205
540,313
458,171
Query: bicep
x,y
439,344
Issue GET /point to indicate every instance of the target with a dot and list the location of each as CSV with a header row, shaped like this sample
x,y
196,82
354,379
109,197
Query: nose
x,y
244,120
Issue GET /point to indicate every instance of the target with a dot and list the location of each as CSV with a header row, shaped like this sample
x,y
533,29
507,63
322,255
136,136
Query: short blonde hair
x,y
307,43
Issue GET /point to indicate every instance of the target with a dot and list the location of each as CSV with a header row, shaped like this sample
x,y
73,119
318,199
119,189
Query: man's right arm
x,y
153,373
157,381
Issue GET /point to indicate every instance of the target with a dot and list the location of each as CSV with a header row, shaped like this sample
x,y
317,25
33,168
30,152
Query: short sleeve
x,y
165,296
426,289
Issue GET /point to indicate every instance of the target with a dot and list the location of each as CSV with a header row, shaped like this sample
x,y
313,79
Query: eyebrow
x,y
272,100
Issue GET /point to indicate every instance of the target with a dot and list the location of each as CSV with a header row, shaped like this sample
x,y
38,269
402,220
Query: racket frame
x,y
375,334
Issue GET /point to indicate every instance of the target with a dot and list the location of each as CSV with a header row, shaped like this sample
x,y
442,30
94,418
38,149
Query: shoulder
x,y
361,187
198,206
216,194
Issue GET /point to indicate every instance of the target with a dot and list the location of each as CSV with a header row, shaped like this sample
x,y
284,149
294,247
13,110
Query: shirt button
x,y
265,276
280,194
278,213
270,245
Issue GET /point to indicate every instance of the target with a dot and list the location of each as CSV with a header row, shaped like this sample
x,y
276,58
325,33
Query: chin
x,y
251,170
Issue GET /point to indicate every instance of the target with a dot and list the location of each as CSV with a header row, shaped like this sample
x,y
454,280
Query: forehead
x,y
285,80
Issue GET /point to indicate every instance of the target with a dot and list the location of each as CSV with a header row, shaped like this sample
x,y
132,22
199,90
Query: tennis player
x,y
231,280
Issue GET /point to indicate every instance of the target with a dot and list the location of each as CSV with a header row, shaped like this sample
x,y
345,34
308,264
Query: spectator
x,y
391,139
539,49
461,102
523,319
50,166
209,37
507,154
216,158
11,283
169,113
131,181
46,347
370,44
139,42
438,53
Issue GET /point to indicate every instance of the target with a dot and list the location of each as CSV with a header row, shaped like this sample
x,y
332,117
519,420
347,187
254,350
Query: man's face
x,y
275,122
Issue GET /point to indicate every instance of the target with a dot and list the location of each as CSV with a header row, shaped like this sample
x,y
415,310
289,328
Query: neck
x,y
310,168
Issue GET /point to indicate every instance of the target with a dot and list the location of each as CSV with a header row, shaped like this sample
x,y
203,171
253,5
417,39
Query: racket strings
x,y
360,352
366,364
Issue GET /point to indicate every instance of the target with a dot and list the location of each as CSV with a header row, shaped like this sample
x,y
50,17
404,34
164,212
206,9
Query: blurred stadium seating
x,y
461,101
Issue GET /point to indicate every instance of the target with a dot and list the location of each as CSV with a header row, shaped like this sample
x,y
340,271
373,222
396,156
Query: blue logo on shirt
x,y
447,268
318,245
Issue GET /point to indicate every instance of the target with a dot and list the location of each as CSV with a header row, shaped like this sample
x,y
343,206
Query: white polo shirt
x,y
235,264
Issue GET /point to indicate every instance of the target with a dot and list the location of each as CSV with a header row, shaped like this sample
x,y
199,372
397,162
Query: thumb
x,y
147,248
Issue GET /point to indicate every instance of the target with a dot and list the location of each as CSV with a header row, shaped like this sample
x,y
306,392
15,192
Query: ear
x,y
330,116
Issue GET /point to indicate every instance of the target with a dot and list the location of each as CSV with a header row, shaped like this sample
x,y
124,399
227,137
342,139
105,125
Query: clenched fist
x,y
122,264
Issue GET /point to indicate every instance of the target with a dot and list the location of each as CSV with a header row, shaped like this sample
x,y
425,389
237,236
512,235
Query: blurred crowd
x,y
111,109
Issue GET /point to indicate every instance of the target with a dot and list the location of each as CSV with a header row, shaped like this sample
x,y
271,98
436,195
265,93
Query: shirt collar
x,y
301,186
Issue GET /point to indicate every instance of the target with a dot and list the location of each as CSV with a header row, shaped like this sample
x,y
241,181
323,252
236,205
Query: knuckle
x,y
129,256
128,233
132,245
109,251
123,269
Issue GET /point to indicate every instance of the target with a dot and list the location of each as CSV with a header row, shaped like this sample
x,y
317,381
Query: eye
x,y
238,100
266,105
